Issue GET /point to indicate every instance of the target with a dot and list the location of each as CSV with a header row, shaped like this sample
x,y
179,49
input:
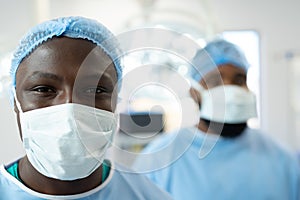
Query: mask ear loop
x,y
25,140
16,100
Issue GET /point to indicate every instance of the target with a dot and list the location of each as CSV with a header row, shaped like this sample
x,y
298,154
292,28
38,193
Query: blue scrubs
x,y
251,166
118,185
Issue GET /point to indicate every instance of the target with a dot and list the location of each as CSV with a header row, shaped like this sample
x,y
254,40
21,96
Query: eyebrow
x,y
100,77
39,74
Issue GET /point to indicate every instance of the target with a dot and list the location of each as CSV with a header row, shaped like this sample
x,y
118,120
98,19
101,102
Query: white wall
x,y
10,142
15,18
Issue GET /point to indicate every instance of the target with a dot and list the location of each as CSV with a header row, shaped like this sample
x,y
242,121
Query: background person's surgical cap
x,y
215,53
72,27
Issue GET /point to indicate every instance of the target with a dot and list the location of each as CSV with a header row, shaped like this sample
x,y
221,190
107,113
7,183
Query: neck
x,y
222,129
40,183
204,127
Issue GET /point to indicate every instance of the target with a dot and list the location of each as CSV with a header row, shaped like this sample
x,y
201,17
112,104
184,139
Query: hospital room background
x,y
268,32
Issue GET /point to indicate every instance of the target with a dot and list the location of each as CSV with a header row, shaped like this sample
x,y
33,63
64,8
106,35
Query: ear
x,y
195,94
15,107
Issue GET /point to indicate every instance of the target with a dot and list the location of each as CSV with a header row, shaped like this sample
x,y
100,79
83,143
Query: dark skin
x,y
225,74
57,72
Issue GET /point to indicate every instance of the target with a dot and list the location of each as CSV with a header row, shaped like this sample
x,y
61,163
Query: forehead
x,y
67,56
225,71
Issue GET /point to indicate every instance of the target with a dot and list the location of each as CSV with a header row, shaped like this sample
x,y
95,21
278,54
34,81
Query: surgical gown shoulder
x,y
252,166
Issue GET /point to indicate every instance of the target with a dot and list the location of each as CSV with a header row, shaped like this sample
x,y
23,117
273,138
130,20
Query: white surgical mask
x,y
228,104
67,141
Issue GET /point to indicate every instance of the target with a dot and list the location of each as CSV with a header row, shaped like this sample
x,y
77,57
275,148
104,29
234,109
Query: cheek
x,y
30,103
112,102
108,105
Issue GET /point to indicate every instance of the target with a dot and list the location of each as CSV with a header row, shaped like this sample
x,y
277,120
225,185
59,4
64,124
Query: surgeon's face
x,y
65,70
225,74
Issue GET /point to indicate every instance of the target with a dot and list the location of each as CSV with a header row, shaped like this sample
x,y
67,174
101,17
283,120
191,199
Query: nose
x,y
65,96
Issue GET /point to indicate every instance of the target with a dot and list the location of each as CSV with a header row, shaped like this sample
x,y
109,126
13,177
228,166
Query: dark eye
x,y
96,90
44,89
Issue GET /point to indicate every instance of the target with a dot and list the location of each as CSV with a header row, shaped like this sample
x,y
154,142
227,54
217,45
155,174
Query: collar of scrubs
x,y
14,181
13,170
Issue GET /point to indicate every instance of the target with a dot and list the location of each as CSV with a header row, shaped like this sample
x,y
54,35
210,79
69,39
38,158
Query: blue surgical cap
x,y
215,53
72,27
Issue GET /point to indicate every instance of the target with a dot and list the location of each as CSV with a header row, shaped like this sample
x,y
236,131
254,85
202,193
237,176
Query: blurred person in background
x,y
241,163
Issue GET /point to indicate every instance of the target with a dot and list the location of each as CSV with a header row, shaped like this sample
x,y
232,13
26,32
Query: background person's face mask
x,y
67,141
228,104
